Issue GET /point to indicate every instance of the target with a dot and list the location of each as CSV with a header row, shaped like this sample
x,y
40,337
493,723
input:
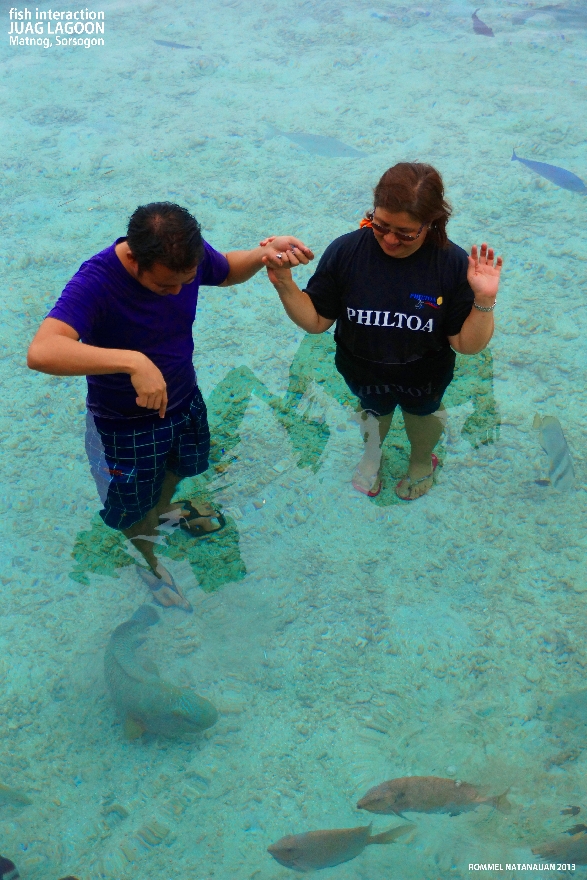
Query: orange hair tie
x,y
364,222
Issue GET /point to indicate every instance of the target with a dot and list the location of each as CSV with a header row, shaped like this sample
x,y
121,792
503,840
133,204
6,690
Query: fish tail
x,y
272,131
391,834
514,157
501,803
145,615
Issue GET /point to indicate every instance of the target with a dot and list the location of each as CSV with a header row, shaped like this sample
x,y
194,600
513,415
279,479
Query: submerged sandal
x,y
156,583
198,531
371,493
416,482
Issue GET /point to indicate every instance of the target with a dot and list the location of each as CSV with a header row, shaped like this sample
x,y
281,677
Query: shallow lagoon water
x,y
344,640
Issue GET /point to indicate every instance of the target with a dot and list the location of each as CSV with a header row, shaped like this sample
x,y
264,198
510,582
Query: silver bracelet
x,y
485,308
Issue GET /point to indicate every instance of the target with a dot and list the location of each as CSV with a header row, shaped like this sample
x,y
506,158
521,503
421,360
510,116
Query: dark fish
x,y
318,144
576,829
324,849
559,176
572,811
480,27
144,701
428,794
564,849
8,870
171,45
552,440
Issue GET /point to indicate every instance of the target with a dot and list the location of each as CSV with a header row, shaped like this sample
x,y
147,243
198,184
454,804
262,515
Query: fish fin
x,y
501,803
133,728
536,422
272,131
514,157
391,834
151,667
146,615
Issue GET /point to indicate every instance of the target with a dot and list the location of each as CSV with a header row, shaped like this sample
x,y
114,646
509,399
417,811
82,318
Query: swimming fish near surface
x,y
428,794
318,144
480,27
144,701
552,440
172,45
12,796
568,16
559,176
8,870
324,849
564,849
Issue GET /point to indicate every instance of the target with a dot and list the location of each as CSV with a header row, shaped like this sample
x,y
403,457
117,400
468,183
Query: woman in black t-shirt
x,y
404,299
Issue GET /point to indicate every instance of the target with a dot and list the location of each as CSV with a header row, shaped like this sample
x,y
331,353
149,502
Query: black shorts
x,y
416,387
129,460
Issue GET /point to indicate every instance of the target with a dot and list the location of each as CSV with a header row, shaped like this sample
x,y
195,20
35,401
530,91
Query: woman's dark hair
x,y
162,232
418,190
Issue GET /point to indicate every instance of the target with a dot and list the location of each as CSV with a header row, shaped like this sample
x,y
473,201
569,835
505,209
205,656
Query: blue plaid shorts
x,y
129,464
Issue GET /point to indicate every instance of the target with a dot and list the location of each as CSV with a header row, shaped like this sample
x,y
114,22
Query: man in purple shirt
x,y
125,321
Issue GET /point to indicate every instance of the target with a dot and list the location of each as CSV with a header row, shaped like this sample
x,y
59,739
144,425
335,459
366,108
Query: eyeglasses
x,y
383,230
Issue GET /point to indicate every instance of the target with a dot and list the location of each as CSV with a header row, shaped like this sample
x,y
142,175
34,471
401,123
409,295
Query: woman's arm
x,y
297,303
483,278
242,265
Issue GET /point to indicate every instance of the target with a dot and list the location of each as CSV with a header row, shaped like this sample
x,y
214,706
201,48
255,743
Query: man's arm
x,y
244,264
56,349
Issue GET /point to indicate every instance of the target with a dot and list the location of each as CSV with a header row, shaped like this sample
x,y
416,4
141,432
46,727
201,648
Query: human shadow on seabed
x,y
216,559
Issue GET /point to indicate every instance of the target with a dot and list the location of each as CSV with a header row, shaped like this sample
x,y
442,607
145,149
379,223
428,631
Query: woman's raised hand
x,y
483,273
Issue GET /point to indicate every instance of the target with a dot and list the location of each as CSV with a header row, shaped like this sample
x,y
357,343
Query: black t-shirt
x,y
390,310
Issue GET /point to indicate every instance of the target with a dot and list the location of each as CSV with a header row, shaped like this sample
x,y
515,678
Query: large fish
x,y
552,440
567,16
144,701
428,794
318,144
564,849
559,176
324,849
13,796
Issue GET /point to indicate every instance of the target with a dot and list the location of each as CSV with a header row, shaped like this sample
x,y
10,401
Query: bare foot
x,y
163,588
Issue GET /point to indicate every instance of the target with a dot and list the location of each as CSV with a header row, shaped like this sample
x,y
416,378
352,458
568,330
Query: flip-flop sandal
x,y
199,531
371,493
415,482
155,583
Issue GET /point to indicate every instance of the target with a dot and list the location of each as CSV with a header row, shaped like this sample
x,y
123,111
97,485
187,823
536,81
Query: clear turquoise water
x,y
345,640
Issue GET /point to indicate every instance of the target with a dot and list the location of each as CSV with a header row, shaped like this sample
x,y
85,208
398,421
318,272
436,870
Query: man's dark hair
x,y
162,232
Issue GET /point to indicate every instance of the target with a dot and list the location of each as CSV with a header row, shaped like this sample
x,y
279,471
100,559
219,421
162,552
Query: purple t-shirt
x,y
108,308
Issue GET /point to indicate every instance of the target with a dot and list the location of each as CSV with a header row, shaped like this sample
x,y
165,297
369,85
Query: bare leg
x,y
147,527
374,430
423,432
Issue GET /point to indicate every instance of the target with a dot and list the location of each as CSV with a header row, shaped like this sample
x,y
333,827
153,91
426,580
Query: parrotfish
x,y
428,794
552,440
567,16
172,45
480,27
564,849
559,176
12,796
318,144
324,849
143,700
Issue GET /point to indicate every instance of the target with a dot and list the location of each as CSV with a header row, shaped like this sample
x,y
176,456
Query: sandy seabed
x,y
344,640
